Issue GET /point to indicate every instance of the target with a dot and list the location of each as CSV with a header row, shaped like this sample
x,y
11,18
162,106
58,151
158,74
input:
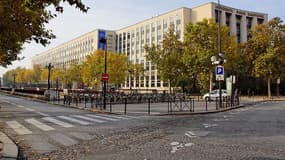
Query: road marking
x,y
100,117
43,114
210,125
29,109
17,127
39,124
190,134
188,144
58,122
20,106
5,101
74,120
88,118
175,146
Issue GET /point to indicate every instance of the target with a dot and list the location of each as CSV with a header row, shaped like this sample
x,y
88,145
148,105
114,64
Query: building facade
x,y
76,50
131,40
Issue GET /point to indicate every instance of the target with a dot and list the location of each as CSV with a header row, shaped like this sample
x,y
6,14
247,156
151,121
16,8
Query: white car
x,y
214,94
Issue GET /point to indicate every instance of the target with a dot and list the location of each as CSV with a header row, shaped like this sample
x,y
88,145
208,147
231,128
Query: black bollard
x,y
125,105
148,110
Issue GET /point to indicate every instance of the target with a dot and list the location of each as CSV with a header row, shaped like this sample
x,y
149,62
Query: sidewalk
x,y
8,149
199,107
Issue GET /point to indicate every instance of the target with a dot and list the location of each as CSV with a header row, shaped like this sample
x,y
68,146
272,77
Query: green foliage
x,y
73,73
24,21
167,57
266,50
23,76
182,63
93,68
201,42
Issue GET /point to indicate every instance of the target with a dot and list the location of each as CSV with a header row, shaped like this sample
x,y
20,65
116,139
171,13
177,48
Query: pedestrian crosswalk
x,y
39,124
50,123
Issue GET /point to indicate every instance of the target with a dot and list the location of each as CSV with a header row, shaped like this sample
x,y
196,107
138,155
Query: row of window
x,y
228,16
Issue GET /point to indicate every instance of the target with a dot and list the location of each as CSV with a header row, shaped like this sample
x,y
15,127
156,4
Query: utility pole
x,y
49,67
220,50
104,41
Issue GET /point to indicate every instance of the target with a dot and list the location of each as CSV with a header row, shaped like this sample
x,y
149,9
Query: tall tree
x,y
24,21
167,57
93,68
73,73
200,43
266,51
36,76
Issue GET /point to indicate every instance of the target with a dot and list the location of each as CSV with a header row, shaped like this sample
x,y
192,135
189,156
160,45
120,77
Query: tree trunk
x,y
211,81
169,86
268,87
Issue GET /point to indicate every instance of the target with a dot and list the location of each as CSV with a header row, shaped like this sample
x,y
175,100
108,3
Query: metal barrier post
x,y
110,104
168,105
193,105
125,105
69,100
216,103
206,105
91,101
84,101
148,106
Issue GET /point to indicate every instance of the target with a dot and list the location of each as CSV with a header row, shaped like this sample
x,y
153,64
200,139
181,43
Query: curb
x,y
10,149
212,112
201,113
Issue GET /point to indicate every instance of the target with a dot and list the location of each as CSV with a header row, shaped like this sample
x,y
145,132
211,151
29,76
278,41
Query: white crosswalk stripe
x,y
74,120
63,121
88,118
101,117
43,114
58,122
29,109
17,127
39,124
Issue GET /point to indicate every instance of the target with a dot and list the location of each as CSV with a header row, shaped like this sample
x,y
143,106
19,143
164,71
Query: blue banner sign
x,y
101,34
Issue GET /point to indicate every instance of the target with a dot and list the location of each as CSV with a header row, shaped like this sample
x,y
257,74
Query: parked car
x,y
214,94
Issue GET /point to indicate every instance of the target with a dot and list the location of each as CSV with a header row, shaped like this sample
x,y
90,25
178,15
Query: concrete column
x,y
223,18
233,26
254,21
243,29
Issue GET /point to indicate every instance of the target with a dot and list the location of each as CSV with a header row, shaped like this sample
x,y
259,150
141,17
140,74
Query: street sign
x,y
219,70
220,73
105,77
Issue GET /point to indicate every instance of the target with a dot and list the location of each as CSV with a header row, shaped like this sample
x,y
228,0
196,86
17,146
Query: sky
x,y
116,14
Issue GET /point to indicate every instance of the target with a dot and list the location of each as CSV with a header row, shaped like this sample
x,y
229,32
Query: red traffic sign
x,y
105,77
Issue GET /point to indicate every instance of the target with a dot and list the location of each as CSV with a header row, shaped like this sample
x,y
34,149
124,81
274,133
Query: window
x,y
260,20
217,15
228,19
238,27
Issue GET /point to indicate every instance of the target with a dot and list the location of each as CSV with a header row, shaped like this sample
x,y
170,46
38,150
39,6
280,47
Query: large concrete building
x,y
131,40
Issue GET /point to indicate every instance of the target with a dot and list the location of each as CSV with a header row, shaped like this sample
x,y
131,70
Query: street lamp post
x,y
104,41
49,67
220,50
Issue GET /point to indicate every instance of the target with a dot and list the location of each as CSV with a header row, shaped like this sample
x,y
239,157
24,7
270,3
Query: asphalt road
x,y
250,133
